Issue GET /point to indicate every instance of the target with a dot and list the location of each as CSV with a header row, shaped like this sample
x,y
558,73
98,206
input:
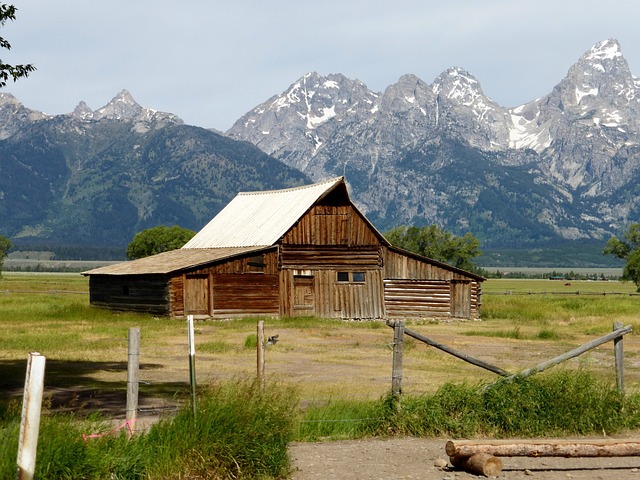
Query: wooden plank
x,y
573,353
455,353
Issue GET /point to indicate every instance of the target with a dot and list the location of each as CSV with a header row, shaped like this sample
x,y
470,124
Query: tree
x,y
433,242
628,250
8,12
157,240
5,245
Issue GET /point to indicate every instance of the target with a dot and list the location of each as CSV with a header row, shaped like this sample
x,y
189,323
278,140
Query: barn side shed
x,y
300,251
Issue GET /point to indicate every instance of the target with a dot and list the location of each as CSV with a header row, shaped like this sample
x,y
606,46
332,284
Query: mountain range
x,y
98,177
563,168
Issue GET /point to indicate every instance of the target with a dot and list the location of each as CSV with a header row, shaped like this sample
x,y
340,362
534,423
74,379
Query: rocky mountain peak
x,y
14,115
121,107
458,85
408,93
601,72
604,50
8,99
82,111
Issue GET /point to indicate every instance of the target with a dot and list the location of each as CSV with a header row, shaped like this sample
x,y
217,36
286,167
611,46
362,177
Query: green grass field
x,y
87,346
325,378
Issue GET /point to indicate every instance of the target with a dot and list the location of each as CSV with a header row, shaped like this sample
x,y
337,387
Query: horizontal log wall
x,y
140,293
305,257
398,266
417,298
476,299
262,264
245,294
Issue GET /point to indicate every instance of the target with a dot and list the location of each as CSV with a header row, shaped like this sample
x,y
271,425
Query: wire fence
x,y
576,292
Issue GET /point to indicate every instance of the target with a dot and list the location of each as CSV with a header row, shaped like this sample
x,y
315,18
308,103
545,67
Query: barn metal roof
x,y
260,218
172,261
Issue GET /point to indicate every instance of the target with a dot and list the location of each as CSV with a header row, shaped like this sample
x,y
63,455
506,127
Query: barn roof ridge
x,y
330,181
262,217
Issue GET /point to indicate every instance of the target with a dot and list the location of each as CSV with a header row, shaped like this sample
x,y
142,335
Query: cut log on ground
x,y
545,448
480,464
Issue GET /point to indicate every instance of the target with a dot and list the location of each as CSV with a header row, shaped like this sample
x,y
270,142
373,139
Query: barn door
x,y
196,295
304,299
460,299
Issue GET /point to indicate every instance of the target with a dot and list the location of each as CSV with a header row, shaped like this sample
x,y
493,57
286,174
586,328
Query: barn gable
x,y
300,251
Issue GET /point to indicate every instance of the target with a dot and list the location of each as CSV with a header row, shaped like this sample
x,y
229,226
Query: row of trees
x,y
429,241
435,243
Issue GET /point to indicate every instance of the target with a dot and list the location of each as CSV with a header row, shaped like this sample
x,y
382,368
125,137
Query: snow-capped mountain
x,y
562,167
97,177
446,153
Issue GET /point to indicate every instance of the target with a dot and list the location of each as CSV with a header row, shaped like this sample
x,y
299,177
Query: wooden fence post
x,y
30,424
133,383
398,351
260,352
619,357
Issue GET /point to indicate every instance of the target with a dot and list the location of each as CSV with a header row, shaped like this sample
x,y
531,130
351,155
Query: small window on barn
x,y
343,276
256,264
358,277
125,290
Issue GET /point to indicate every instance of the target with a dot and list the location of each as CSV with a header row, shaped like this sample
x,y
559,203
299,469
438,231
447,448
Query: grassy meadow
x,y
326,379
523,323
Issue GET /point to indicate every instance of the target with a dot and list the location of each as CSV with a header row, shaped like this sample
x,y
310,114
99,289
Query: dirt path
x,y
414,458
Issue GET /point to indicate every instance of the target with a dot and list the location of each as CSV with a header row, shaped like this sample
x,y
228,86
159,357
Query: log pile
x,y
480,457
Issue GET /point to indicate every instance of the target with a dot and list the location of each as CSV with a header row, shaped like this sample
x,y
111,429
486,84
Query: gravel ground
x,y
416,458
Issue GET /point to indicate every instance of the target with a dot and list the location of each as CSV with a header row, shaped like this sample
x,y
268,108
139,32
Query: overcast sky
x,y
211,61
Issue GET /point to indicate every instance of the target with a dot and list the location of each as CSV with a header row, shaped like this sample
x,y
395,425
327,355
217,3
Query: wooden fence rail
x,y
398,351
576,292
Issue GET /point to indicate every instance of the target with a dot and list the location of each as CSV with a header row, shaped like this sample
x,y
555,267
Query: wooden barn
x,y
301,251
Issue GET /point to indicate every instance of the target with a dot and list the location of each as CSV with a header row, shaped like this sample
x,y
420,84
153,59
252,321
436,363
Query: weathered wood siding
x,y
476,299
397,265
246,294
331,225
417,298
243,285
319,292
431,290
310,256
140,293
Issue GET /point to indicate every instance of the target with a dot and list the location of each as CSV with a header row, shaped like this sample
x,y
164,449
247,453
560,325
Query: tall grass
x,y
559,404
240,432
243,432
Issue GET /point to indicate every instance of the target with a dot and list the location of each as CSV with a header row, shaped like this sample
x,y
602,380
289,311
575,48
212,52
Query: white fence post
x,y
133,384
30,423
192,361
